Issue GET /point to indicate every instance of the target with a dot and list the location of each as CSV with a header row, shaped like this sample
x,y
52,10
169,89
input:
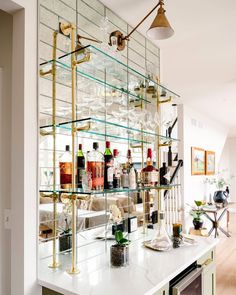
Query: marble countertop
x,y
148,270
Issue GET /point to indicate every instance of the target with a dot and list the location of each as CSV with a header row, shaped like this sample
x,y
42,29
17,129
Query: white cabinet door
x,y
163,291
209,280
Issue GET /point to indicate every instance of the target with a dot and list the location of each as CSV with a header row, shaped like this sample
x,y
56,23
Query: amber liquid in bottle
x,y
149,173
65,164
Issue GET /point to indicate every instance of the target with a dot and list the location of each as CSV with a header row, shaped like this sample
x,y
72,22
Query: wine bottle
x,y
108,168
163,172
65,165
117,170
80,166
95,165
169,157
149,173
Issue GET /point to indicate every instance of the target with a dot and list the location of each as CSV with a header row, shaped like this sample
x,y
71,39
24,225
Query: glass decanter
x,y
161,240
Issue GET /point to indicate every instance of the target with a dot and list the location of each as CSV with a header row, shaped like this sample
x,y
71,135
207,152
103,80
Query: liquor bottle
x,y
169,157
132,178
124,178
117,170
163,172
65,164
95,165
149,173
129,161
80,166
108,168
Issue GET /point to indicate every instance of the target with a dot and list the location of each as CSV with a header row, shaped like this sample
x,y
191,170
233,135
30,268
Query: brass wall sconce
x,y
159,29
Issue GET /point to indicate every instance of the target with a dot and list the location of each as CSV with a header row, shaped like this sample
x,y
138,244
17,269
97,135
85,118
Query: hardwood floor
x,y
226,261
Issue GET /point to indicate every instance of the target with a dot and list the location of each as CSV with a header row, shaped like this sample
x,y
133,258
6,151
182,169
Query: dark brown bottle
x,y
108,167
163,172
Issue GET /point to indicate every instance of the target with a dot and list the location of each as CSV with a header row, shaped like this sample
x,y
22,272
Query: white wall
x,y
228,162
197,131
6,23
23,135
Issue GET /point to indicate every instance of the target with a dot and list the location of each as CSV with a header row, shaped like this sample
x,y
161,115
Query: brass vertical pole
x,y
73,269
143,192
158,151
54,264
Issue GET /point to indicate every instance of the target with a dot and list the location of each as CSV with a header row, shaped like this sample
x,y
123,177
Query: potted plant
x,y
119,252
197,213
119,255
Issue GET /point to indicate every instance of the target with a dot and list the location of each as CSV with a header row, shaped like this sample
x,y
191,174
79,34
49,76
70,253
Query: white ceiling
x,y
199,61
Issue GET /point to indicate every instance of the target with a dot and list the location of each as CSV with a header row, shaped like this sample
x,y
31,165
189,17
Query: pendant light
x,y
160,28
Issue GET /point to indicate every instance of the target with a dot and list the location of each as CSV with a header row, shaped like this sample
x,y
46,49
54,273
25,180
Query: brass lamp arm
x,y
87,38
135,28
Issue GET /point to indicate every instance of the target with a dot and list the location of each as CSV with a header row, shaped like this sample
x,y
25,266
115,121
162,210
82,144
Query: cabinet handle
x,y
207,262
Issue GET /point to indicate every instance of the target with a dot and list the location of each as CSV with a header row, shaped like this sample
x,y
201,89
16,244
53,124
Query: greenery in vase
x,y
116,219
120,239
197,212
219,181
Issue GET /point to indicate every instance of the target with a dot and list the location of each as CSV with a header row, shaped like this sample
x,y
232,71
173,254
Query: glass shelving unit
x,y
107,71
109,101
59,190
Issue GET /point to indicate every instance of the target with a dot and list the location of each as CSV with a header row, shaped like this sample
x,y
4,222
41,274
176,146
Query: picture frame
x,y
210,163
198,161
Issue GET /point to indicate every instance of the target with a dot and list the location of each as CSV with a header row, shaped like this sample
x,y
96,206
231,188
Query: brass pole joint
x,y
165,100
42,73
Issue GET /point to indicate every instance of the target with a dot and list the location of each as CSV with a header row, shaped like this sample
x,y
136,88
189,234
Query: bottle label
x,y
110,171
150,177
97,174
65,174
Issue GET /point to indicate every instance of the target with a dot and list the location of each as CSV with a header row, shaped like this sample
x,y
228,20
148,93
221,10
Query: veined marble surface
x,y
148,270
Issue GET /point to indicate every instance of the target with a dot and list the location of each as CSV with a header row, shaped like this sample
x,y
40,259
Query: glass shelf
x,y
107,129
105,69
58,190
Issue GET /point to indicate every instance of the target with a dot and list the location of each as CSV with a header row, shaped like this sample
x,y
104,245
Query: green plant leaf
x,y
124,241
118,236
198,203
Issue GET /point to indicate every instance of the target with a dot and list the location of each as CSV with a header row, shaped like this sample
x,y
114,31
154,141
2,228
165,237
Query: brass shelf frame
x,y
69,30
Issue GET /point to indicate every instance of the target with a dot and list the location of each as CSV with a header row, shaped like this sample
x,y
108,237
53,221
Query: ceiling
x,y
199,61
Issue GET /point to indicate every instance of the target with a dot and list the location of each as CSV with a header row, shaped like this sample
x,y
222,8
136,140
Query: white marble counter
x,y
147,272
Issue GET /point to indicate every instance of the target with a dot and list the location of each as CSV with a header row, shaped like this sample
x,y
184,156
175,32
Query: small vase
x,y
197,224
220,197
65,242
119,255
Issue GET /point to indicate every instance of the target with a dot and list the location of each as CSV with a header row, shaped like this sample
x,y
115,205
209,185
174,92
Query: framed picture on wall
x,y
198,161
210,162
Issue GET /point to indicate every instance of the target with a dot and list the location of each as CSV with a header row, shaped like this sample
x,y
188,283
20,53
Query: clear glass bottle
x,y
125,178
65,164
132,178
161,241
149,173
95,165
117,170
129,162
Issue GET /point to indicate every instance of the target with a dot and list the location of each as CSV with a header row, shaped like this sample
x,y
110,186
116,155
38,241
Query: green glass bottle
x,y
109,167
80,166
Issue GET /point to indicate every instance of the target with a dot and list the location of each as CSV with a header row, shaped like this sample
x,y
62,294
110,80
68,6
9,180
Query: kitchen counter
x,y
148,270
